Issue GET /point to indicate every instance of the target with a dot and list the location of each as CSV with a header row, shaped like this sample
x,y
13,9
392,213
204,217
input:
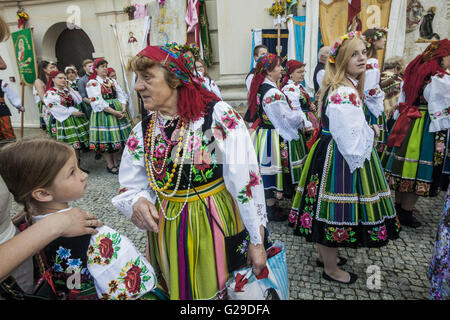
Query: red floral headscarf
x,y
291,66
52,75
262,67
193,99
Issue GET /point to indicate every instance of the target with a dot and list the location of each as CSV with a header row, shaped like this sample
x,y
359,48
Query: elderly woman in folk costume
x,y
416,160
109,124
276,134
294,90
373,95
189,176
343,199
72,126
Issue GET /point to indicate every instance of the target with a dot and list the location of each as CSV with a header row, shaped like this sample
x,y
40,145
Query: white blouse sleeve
x,y
293,95
94,93
53,102
13,98
121,95
132,175
348,126
248,81
286,121
240,168
76,96
373,95
437,94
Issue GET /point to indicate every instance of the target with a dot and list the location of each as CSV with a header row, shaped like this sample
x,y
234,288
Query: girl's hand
x,y
308,130
77,114
145,215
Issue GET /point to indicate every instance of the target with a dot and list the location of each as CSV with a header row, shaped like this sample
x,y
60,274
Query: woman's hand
x,y
257,258
145,215
74,223
376,130
77,114
308,130
312,107
256,255
119,115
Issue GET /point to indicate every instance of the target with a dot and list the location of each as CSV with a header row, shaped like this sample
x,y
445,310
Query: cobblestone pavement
x,y
403,263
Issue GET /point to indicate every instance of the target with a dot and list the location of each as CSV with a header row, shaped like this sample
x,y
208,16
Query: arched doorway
x,y
72,47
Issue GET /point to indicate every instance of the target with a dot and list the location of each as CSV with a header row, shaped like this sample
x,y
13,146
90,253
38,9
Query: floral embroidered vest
x,y
65,97
265,122
109,90
207,167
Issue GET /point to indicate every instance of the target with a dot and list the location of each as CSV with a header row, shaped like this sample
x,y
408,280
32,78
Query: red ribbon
x,y
263,274
407,113
241,281
313,139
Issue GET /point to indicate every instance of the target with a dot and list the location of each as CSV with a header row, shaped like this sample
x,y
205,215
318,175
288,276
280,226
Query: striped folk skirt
x,y
416,166
73,131
188,252
107,132
6,129
280,162
337,208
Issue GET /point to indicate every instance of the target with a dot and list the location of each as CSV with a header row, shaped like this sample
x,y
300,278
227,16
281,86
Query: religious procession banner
x,y
168,22
270,40
375,13
333,20
25,55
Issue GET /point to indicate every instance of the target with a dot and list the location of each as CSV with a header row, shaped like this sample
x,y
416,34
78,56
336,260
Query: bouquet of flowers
x,y
22,18
277,8
130,10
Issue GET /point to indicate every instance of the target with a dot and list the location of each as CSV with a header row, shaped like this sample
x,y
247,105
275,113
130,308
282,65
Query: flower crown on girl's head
x,y
337,45
379,33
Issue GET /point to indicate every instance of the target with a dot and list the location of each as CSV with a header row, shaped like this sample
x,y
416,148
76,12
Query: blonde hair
x,y
335,73
4,30
27,165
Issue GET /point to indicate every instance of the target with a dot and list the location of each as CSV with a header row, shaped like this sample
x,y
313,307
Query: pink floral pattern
x,y
245,195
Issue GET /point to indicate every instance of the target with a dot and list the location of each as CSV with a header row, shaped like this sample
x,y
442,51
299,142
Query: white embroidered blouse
x,y
57,107
373,95
293,91
240,169
437,94
348,126
283,117
94,92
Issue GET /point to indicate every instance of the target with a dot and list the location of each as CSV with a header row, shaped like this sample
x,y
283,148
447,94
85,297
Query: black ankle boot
x,y
407,219
275,214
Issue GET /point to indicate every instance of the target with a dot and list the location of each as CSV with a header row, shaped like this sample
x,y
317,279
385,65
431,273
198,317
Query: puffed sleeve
x,y
240,168
373,95
53,101
94,93
348,126
12,96
121,95
293,95
437,94
286,121
132,175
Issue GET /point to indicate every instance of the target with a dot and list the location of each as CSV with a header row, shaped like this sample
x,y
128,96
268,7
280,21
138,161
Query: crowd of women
x,y
193,174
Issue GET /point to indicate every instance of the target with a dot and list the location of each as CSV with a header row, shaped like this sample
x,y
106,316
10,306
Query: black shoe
x,y
342,261
110,170
407,219
275,214
353,278
98,156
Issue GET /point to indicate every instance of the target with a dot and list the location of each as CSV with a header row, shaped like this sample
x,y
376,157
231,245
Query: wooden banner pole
x,y
22,114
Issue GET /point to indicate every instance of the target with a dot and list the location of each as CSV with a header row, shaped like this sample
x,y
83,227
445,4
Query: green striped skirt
x,y
188,252
74,131
337,208
416,166
107,132
280,162
52,130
